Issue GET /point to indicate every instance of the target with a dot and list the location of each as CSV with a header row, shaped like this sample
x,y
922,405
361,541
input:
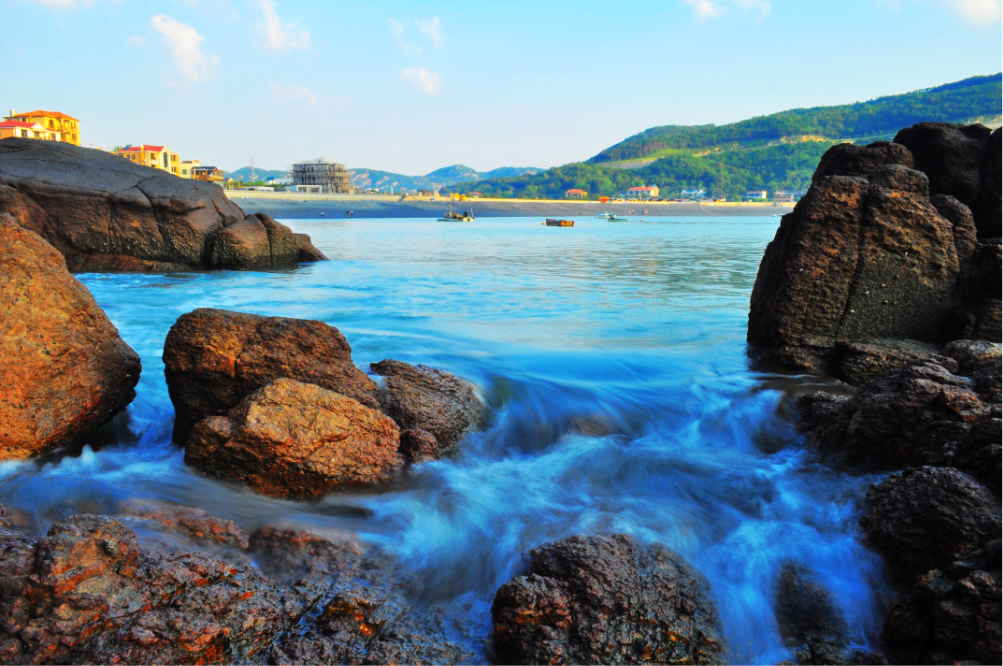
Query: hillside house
x,y
693,194
788,196
649,192
54,122
755,195
575,194
21,130
158,157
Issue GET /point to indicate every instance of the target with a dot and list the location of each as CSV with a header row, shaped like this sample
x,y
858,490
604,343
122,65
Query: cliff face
x,y
105,213
878,249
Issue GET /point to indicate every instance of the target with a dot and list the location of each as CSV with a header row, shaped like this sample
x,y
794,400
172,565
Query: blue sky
x,y
414,86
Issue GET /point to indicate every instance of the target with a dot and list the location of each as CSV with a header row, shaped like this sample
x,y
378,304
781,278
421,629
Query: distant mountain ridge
x,y
376,179
775,152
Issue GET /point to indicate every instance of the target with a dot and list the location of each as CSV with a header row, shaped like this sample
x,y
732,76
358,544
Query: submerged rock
x,y
87,593
105,213
64,369
877,249
215,358
296,440
605,600
918,519
190,522
919,414
423,398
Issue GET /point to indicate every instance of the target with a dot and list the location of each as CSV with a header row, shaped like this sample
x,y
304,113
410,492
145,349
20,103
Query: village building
x,y
756,195
67,128
185,168
208,174
788,196
158,157
16,129
650,192
575,194
694,194
331,177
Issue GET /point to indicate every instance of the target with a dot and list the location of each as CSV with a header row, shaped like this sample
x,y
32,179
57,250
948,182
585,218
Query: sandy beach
x,y
292,205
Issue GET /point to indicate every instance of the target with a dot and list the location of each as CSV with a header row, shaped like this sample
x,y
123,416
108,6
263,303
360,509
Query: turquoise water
x,y
636,330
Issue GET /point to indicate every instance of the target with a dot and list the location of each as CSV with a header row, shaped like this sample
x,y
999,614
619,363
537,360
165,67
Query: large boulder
x,y
105,213
87,593
877,249
215,358
921,518
64,369
420,398
920,414
296,440
962,161
605,600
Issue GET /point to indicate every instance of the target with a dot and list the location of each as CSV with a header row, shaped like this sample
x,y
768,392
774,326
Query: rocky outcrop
x,y
105,213
215,358
950,616
605,600
918,519
64,369
877,249
194,524
920,414
962,161
296,440
87,593
420,398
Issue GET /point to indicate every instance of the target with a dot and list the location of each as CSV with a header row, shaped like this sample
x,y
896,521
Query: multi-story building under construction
x,y
330,176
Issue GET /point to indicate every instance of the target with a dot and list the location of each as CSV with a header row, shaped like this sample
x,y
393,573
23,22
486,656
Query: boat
x,y
604,216
610,217
551,222
457,217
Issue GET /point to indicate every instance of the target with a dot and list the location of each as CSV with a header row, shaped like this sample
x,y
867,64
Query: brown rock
x,y
190,522
64,369
419,446
918,519
423,398
865,359
296,440
919,414
605,600
86,593
847,159
215,358
105,213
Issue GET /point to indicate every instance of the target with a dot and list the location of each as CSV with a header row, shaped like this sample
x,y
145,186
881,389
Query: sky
x,y
410,87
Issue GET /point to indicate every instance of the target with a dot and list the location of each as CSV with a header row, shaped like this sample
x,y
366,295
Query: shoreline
x,y
291,205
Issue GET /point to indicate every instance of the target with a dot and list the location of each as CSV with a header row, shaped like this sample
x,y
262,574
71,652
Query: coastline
x,y
291,205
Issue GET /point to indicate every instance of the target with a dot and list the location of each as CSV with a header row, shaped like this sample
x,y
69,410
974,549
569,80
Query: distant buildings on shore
x,y
321,176
647,192
44,125
788,196
575,194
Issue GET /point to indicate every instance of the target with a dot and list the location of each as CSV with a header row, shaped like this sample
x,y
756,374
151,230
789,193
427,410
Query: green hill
x,y
446,176
778,151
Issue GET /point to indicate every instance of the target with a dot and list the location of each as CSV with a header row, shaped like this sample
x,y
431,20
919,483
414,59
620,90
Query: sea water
x,y
621,396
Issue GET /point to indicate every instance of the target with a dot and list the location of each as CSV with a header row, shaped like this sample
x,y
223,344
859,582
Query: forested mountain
x,y
458,173
774,152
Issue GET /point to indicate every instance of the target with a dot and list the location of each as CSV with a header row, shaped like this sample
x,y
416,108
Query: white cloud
x,y
397,28
431,27
282,94
282,37
423,80
983,12
707,9
186,49
136,40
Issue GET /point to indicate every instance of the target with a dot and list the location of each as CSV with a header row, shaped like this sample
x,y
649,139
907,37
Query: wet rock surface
x,y
877,249
87,593
605,600
295,440
919,414
215,358
866,359
105,213
920,518
64,369
435,401
194,524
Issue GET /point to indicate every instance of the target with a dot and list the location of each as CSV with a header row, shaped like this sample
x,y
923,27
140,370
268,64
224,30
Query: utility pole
x,y
253,179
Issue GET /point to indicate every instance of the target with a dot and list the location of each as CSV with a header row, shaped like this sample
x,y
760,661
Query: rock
x,y
605,600
215,358
919,414
419,446
950,617
86,593
918,519
423,398
847,159
973,355
190,522
962,161
105,213
64,369
295,440
865,359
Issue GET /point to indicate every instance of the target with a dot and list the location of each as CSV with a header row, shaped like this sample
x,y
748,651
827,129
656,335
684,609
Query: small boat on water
x,y
610,217
551,222
450,216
